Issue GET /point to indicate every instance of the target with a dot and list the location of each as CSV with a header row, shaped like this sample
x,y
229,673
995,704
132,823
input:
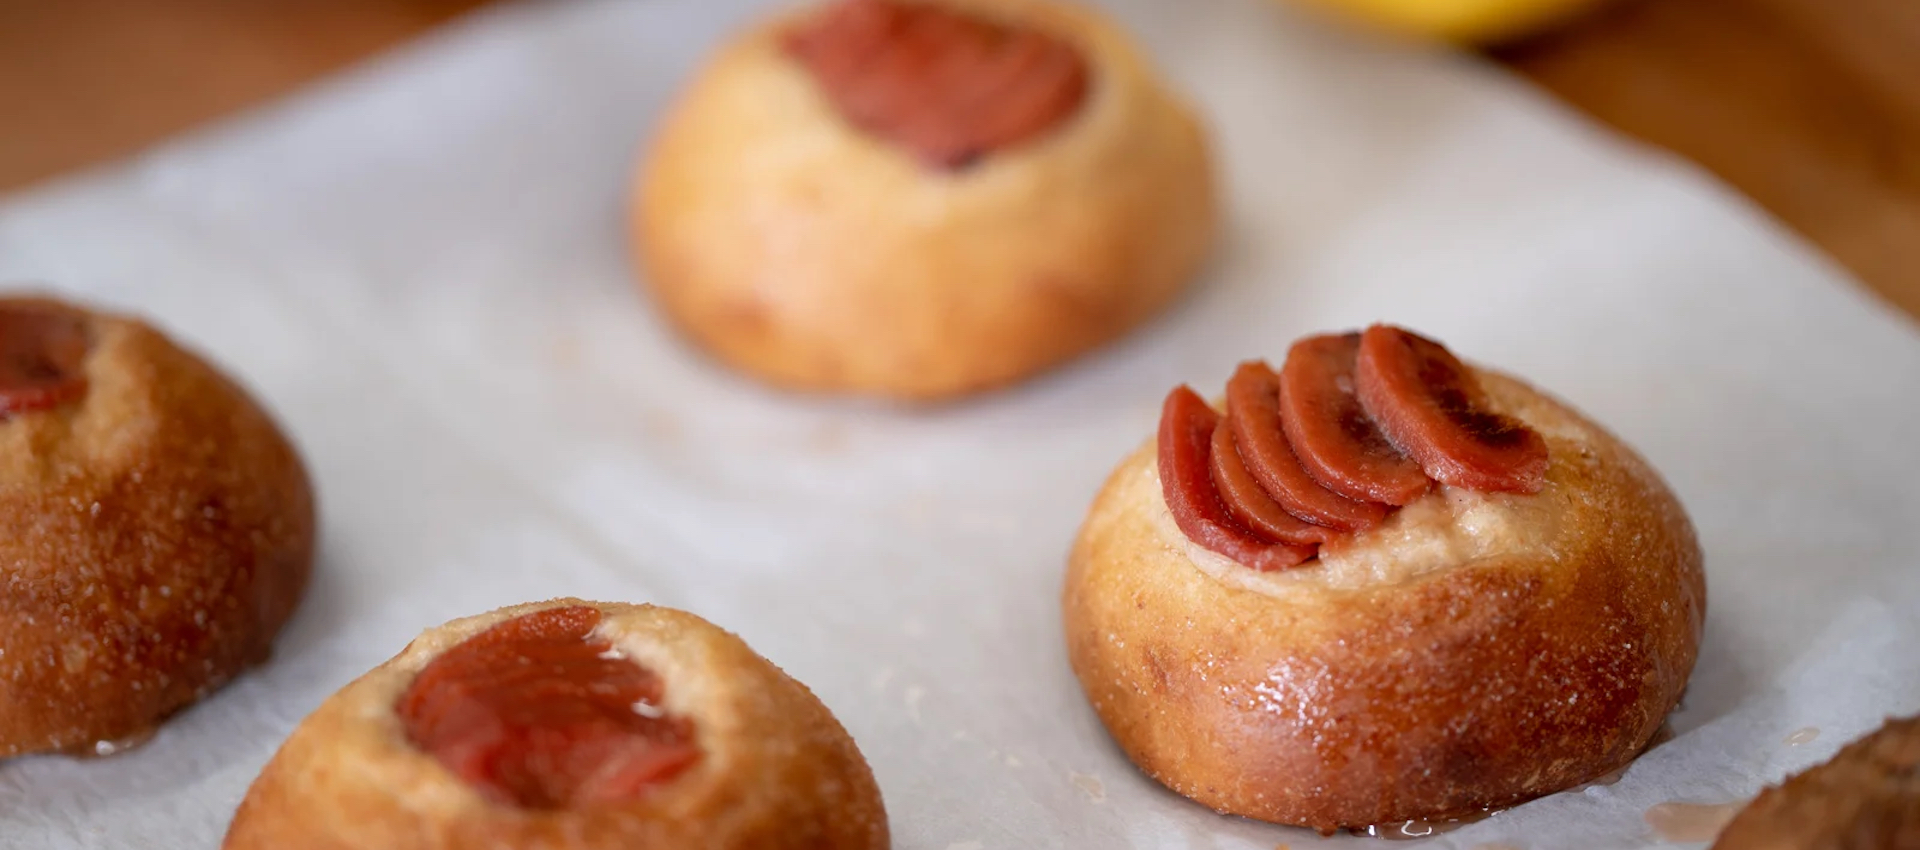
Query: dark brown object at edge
x,y
1866,798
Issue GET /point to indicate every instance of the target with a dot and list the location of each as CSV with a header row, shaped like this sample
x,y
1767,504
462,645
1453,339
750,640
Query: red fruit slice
x,y
1187,425
1430,405
1329,430
43,352
945,84
1251,505
1253,406
538,713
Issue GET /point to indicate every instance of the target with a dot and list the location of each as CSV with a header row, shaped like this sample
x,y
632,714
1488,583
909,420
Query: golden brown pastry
x,y
1866,798
1383,586
156,529
568,725
922,198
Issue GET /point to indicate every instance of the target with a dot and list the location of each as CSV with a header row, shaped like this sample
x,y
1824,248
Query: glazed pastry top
x,y
1352,428
1445,527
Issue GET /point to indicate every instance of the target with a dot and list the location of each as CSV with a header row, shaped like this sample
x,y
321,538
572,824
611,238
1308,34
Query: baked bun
x,y
568,725
156,529
831,206
1866,798
1468,650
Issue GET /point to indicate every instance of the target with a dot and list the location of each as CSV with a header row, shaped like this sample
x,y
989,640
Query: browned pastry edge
x,y
776,770
1867,797
1334,702
154,536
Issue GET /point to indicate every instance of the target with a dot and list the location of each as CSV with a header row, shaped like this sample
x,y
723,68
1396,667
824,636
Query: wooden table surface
x,y
1810,107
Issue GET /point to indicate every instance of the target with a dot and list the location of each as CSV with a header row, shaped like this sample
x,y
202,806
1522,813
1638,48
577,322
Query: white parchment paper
x,y
421,267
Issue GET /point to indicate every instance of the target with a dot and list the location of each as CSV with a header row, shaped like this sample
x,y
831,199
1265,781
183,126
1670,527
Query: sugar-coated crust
x,y
154,536
776,769
1866,798
797,248
1359,691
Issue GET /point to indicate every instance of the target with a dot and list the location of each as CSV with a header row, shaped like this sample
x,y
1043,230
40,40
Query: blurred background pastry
x,y
1867,797
920,199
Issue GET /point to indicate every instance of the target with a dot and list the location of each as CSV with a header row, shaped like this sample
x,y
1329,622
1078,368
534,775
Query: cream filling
x,y
1447,528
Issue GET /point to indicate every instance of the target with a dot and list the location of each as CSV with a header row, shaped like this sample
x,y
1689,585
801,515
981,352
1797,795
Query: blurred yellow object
x,y
1463,21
